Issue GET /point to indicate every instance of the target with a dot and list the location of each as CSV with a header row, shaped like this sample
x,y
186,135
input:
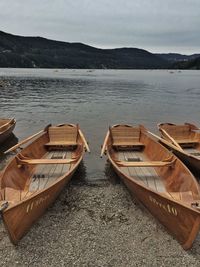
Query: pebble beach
x,y
96,223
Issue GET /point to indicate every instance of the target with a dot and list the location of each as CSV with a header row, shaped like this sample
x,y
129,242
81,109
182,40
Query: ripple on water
x,y
96,100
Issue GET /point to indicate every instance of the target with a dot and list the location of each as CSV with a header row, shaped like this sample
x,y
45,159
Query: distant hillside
x,y
37,52
174,57
193,64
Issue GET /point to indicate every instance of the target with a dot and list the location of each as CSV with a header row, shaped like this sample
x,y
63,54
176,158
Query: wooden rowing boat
x,y
36,175
184,141
157,178
6,128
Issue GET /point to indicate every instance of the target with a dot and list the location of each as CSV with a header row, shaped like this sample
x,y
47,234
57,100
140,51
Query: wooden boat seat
x,y
125,136
127,143
61,143
187,141
182,134
145,163
62,136
45,161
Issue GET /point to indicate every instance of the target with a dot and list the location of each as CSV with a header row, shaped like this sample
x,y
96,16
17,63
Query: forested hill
x,y
37,52
174,57
193,64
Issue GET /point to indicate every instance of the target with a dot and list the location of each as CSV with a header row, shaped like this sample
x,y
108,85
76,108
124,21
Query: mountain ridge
x,y
32,52
38,52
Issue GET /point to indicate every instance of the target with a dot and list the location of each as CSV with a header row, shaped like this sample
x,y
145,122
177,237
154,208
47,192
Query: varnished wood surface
x,y
187,136
148,176
168,192
44,175
30,188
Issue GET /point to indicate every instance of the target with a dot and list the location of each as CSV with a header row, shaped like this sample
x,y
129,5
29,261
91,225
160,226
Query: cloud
x,y
155,25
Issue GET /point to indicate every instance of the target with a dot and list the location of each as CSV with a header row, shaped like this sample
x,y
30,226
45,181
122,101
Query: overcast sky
x,y
154,25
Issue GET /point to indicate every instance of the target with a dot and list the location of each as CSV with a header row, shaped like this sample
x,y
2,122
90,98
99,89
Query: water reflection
x,y
80,176
111,174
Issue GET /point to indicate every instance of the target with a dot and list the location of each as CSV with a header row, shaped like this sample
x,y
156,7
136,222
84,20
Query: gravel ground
x,y
96,224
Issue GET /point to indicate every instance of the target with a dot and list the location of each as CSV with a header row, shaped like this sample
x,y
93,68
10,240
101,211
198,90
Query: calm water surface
x,y
96,99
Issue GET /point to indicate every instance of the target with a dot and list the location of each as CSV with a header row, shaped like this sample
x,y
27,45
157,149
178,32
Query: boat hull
x,y
175,137
183,223
19,219
191,162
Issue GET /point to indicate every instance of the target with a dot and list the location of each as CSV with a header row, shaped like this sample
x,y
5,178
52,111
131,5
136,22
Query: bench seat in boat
x,y
61,143
127,143
187,141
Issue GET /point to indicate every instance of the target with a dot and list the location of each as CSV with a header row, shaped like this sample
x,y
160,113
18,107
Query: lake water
x,y
96,99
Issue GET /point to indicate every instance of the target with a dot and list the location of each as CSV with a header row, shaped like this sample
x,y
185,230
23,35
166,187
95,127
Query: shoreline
x,y
96,224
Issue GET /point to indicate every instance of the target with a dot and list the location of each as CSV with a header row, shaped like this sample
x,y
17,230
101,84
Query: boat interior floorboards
x,y
147,175
45,174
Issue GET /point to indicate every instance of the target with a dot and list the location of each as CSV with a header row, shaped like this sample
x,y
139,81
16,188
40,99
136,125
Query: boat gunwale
x,y
193,231
148,188
173,146
36,193
112,161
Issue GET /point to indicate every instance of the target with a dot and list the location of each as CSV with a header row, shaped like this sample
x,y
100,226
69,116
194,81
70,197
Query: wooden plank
x,y
84,140
50,177
12,194
63,134
187,196
175,195
58,170
104,147
136,172
61,143
150,178
127,143
181,196
145,163
49,173
23,142
41,170
121,157
59,167
187,141
170,137
66,167
125,135
159,184
147,175
45,161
